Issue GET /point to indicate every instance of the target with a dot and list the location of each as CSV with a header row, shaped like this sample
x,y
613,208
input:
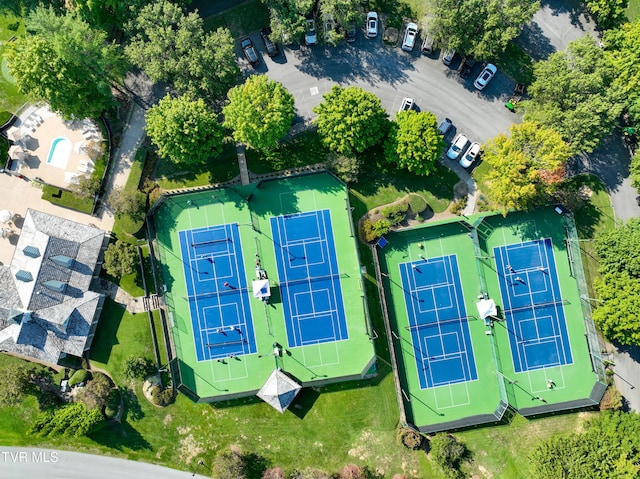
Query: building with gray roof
x,y
47,310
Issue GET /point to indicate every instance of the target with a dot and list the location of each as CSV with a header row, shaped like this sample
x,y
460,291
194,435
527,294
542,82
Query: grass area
x,y
248,17
516,63
592,218
10,98
502,451
304,149
381,182
223,168
633,10
66,199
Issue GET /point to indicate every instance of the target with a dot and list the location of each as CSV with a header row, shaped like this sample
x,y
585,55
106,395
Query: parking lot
x,y
392,74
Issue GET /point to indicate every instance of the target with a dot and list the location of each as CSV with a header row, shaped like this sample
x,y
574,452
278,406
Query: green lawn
x,y
66,198
220,169
633,10
10,97
304,149
248,17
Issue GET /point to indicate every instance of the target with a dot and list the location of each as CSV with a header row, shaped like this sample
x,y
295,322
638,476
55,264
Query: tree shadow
x,y
120,436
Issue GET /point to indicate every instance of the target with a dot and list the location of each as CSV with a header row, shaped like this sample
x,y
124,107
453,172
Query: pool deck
x,y
38,140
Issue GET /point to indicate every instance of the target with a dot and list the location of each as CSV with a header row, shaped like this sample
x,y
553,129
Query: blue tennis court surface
x,y
217,292
532,305
438,321
309,278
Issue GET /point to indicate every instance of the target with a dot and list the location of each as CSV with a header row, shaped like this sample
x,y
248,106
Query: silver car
x,y
372,24
410,36
457,146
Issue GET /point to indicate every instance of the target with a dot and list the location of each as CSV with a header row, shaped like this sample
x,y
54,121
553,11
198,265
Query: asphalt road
x,y
20,463
392,74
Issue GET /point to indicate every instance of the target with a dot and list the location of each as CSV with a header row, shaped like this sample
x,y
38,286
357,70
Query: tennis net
x,y
313,279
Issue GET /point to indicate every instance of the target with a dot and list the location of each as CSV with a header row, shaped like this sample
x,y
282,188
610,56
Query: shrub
x,y
395,213
373,230
417,203
80,376
459,205
229,465
409,438
161,397
612,400
137,367
634,170
274,473
352,471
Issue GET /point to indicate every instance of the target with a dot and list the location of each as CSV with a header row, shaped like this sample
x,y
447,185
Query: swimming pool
x,y
59,152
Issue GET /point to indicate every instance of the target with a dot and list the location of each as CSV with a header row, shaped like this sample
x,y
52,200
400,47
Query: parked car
x,y
447,57
470,155
444,126
485,76
410,35
407,104
457,146
466,65
350,34
269,46
249,51
310,36
372,24
427,45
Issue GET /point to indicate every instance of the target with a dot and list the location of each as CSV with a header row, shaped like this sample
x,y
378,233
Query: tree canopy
x,y
66,63
618,313
120,259
608,447
174,47
574,93
288,16
259,112
527,165
414,142
623,53
350,120
15,382
184,130
482,28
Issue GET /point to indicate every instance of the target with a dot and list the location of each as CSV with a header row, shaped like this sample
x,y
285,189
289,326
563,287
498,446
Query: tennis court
x,y
309,278
217,292
438,321
533,306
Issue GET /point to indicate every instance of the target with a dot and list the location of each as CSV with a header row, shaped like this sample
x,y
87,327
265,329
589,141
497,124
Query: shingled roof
x,y
279,390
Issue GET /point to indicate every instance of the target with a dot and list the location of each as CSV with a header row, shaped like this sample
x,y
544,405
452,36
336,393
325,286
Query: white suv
x,y
457,146
410,36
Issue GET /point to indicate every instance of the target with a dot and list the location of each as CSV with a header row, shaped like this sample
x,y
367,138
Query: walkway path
x,y
132,304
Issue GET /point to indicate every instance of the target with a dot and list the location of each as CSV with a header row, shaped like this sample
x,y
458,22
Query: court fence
x,y
577,271
387,327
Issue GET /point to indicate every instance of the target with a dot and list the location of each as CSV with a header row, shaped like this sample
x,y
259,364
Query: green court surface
x,y
468,401
251,208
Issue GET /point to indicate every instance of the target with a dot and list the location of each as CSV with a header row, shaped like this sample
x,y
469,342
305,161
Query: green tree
x,y
127,202
622,50
96,392
574,94
137,367
618,249
21,8
350,120
15,383
618,316
109,15
72,421
608,447
526,166
414,142
174,47
66,63
448,453
120,259
608,13
184,130
634,170
288,16
482,28
259,112
87,186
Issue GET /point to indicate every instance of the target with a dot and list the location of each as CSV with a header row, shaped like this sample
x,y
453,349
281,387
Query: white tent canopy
x,y
486,308
279,390
261,289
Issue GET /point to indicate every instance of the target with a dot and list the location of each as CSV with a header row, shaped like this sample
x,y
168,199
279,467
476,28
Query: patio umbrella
x,y
14,133
5,216
16,152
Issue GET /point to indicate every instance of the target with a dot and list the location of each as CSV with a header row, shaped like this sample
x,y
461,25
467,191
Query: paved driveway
x,y
390,73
